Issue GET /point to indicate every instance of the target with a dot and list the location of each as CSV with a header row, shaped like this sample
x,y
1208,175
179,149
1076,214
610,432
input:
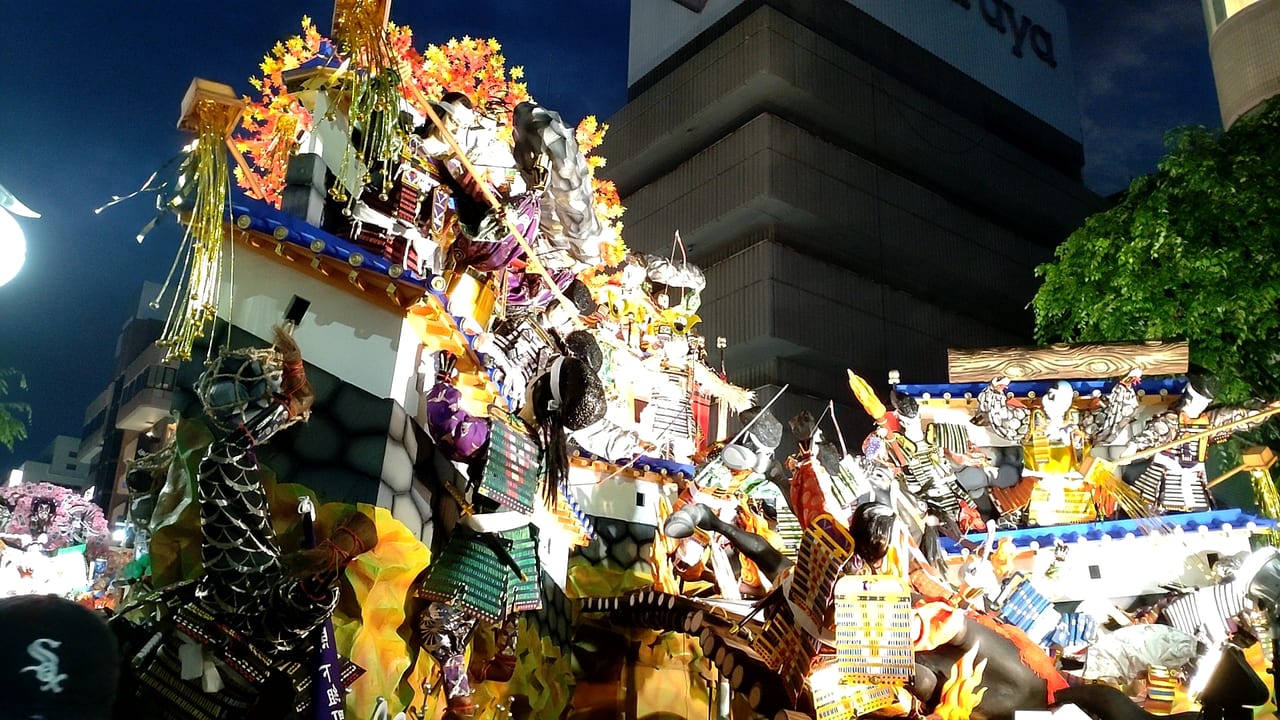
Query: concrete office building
x,y
130,417
865,183
1244,47
59,464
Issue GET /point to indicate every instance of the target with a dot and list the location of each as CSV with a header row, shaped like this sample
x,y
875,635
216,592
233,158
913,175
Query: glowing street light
x,y
13,244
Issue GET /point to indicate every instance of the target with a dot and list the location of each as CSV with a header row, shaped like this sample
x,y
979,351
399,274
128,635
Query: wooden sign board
x,y
1067,362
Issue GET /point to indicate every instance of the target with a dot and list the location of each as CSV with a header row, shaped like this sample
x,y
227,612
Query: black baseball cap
x,y
58,660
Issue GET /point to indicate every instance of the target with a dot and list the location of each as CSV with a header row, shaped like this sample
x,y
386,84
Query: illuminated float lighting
x,y
1204,670
13,247
13,243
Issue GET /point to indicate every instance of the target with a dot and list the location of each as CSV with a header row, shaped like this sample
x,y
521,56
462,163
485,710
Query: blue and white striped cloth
x,y
1073,630
1023,604
1027,609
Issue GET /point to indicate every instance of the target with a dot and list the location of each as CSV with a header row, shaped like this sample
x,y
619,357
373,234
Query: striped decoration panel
x,y
470,573
835,701
873,630
524,593
672,405
786,648
824,552
1061,502
1164,487
1161,686
950,437
1074,629
1014,498
789,529
1209,608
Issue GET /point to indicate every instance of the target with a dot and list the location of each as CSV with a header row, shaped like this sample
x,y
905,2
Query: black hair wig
x,y
765,432
872,529
904,404
582,345
1205,383
567,397
581,296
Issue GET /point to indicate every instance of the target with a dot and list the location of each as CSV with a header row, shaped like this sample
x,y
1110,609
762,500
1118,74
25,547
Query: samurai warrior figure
x,y
1175,479
1056,437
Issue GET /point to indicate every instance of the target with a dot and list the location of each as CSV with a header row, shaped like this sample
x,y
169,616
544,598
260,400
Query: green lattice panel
x,y
512,465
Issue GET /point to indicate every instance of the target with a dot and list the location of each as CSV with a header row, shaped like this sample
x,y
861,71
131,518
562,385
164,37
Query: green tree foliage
x,y
14,415
1191,252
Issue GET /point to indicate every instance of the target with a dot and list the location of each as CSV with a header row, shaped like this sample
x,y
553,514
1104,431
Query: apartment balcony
x,y
147,395
146,408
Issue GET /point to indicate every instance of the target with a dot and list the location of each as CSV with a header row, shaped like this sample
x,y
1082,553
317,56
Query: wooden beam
x,y
1067,362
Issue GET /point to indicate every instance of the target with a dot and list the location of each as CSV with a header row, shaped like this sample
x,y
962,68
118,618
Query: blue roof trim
x,y
1173,386
266,219
1116,529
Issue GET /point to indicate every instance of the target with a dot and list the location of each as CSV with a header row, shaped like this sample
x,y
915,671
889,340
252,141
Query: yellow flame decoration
x,y
866,396
963,690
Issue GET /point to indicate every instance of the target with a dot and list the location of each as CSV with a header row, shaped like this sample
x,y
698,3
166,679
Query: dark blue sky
x,y
89,96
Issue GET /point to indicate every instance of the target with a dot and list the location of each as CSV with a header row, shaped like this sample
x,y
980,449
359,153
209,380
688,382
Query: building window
x,y
161,377
1219,12
96,423
164,377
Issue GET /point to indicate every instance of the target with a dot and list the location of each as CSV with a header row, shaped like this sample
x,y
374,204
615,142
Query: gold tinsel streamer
x,y
374,83
1265,495
1137,507
195,303
360,25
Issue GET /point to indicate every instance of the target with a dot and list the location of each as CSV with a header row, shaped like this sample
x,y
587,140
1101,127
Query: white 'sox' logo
x,y
46,665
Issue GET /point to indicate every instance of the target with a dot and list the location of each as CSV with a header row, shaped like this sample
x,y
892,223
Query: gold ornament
x,y
210,110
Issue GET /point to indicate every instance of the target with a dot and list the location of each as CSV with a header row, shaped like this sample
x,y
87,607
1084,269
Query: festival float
x,y
54,541
448,449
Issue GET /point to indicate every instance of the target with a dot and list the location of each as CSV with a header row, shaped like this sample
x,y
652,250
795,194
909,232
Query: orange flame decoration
x,y
963,690
1002,559
275,121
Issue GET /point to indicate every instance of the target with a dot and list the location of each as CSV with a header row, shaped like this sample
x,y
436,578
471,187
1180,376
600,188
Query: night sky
x,y
90,92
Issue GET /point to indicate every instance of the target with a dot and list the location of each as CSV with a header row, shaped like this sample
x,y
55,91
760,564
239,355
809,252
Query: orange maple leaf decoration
x,y
275,122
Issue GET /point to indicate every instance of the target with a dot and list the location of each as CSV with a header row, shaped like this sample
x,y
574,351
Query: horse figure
x,y
1018,674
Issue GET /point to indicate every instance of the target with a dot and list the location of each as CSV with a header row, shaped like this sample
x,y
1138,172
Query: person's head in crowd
x,y
58,660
